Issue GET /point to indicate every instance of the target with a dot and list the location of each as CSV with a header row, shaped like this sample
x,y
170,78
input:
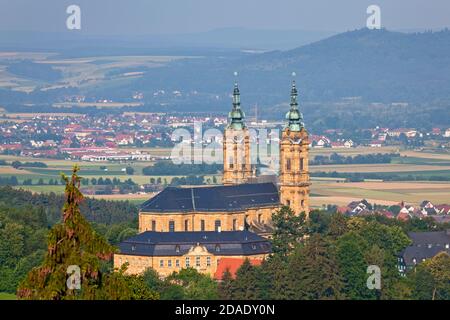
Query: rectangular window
x,y
230,162
217,225
208,261
161,263
153,225
259,217
288,202
177,263
288,164
188,262
186,225
301,164
171,226
202,225
197,262
234,224
169,263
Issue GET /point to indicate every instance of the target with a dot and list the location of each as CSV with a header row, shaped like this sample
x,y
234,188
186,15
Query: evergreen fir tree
x,y
289,230
278,273
314,273
244,285
226,286
74,243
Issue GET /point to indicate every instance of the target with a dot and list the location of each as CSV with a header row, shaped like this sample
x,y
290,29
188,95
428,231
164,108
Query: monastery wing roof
x,y
214,198
230,243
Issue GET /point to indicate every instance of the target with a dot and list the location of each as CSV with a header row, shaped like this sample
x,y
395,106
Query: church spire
x,y
236,96
236,116
294,118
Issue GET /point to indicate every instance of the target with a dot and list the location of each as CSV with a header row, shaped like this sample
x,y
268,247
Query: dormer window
x,y
253,246
133,248
177,249
217,248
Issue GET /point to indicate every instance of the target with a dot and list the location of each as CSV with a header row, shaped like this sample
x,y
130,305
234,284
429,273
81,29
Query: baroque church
x,y
211,228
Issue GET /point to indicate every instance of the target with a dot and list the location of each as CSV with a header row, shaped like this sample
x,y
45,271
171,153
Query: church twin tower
x,y
293,176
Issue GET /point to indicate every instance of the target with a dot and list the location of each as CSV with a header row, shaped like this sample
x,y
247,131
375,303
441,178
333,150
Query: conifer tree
x,y
276,268
73,244
314,271
244,285
225,287
289,230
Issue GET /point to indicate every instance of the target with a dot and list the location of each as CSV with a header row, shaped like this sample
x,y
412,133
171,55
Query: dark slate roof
x,y
421,253
213,199
432,237
150,243
425,245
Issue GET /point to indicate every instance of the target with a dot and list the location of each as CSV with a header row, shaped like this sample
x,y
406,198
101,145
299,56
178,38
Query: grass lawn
x,y
7,296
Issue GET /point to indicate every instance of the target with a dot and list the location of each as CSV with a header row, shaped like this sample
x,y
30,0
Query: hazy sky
x,y
179,16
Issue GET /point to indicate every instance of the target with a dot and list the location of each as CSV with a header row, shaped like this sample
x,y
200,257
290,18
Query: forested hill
x,y
50,207
376,65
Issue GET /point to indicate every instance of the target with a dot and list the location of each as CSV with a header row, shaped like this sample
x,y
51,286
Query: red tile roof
x,y
232,264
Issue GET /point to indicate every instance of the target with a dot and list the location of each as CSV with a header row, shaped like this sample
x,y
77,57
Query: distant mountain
x,y
225,39
373,65
376,65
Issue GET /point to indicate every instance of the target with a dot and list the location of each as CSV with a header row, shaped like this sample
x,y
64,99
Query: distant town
x,y
120,138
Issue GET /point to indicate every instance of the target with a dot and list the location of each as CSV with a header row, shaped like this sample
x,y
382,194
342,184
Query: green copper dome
x,y
294,118
236,115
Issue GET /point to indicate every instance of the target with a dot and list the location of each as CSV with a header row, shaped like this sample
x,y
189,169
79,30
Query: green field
x,y
419,165
7,296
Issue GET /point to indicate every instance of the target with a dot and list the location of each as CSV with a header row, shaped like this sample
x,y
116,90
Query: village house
x,y
425,245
